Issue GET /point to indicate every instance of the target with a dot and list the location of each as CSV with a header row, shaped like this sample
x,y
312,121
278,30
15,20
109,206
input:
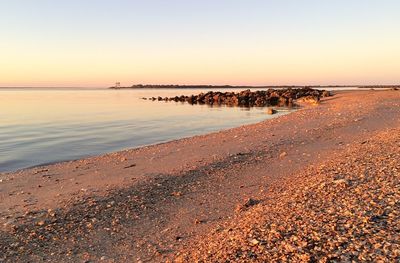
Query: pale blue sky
x,y
94,42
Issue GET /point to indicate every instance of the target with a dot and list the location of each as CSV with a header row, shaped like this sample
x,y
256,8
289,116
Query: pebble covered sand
x,y
345,210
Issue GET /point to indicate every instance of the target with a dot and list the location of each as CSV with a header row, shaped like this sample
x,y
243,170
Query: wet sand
x,y
157,202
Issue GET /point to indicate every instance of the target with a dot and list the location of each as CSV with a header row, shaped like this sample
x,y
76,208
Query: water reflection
x,y
42,126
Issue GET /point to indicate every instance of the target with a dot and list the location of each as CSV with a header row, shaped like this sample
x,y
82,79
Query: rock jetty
x,y
247,98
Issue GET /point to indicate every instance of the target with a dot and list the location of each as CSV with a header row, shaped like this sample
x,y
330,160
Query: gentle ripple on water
x,y
43,125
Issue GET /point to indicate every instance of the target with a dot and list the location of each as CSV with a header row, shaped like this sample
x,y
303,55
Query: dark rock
x,y
325,93
247,98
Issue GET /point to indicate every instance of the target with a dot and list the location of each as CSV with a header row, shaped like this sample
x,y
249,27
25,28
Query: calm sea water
x,y
39,126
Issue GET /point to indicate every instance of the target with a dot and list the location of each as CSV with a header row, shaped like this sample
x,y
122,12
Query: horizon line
x,y
210,85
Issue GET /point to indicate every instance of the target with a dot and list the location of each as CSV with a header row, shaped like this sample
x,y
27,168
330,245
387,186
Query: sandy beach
x,y
321,183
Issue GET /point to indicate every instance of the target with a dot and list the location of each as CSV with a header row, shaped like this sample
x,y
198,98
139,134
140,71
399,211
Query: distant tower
x,y
117,85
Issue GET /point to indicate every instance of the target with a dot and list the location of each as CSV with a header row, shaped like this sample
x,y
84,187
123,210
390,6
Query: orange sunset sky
x,y
96,43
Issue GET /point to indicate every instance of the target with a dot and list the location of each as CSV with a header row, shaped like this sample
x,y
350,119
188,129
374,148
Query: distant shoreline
x,y
253,87
210,86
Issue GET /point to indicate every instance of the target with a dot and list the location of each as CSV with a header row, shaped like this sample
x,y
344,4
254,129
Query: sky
x,y
94,43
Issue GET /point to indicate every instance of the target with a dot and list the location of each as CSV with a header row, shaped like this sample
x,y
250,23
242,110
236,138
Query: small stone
x,y
51,213
283,154
176,194
340,181
248,203
198,221
254,242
